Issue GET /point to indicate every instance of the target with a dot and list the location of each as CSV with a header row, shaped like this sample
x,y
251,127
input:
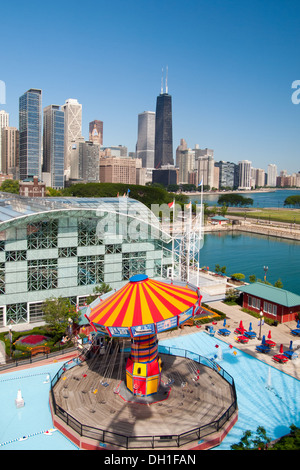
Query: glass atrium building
x,y
51,247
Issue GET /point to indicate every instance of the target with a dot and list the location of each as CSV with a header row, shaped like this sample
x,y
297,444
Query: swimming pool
x,y
275,409
31,421
266,397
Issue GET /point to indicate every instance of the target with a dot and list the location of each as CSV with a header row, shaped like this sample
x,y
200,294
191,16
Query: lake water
x,y
248,254
275,198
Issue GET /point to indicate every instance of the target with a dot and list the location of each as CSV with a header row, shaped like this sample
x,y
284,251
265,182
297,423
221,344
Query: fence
x,y
104,437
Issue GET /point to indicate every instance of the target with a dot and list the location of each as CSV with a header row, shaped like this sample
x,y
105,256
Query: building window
x,y
270,308
133,263
20,255
90,270
67,252
87,235
36,313
42,234
253,302
109,249
16,313
2,278
42,274
1,316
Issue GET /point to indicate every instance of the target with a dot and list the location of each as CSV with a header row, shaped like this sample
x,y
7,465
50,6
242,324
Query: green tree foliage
x,y
252,278
238,276
103,288
235,200
57,313
249,442
292,201
145,194
10,186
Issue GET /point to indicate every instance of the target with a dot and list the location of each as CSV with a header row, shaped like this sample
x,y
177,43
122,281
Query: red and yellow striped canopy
x,y
141,302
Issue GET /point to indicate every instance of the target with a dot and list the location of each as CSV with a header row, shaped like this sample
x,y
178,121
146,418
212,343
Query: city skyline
x,y
230,77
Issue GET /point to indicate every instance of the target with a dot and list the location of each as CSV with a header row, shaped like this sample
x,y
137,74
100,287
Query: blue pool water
x,y
275,409
34,418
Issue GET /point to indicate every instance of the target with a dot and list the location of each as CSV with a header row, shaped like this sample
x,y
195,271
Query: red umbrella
x,y
281,349
241,325
269,334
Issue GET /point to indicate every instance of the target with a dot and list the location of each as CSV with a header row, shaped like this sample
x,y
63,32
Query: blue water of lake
x,y
248,254
275,198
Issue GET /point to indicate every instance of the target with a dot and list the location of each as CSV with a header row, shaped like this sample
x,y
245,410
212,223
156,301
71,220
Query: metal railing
x,y
104,437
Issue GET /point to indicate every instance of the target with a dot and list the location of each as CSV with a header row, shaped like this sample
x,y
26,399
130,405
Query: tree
x,y
235,200
238,276
10,186
278,284
259,441
103,288
57,313
292,201
252,278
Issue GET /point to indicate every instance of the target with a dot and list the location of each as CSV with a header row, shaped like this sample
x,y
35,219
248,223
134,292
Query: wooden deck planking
x,y
197,403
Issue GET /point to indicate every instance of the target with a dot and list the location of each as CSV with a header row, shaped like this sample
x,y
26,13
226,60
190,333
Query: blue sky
x,y
231,66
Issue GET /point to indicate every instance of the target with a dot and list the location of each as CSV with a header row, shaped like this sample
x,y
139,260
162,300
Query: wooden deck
x,y
88,393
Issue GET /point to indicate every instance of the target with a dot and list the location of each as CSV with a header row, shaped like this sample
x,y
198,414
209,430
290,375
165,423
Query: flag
x,y
201,183
171,204
118,195
189,205
124,195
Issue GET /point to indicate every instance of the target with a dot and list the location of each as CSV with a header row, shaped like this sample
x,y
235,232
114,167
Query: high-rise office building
x,y
96,132
244,174
146,138
228,174
272,175
10,151
30,132
206,167
185,161
163,130
53,145
4,122
73,129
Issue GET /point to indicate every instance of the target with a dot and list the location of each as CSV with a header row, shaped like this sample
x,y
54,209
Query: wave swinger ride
x,y
140,310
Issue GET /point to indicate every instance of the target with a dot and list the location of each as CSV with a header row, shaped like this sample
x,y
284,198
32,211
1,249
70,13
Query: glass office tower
x,y
53,145
163,131
30,128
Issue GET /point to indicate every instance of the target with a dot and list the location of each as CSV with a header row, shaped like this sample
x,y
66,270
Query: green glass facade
x,y
66,246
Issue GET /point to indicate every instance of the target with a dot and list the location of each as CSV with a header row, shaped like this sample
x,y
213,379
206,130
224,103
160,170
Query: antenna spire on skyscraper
x,y
167,80
162,81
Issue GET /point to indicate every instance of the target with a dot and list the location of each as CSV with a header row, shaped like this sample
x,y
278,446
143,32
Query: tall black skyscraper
x,y
163,130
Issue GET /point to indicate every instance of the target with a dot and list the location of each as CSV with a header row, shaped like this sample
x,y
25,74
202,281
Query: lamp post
x,y
260,323
266,270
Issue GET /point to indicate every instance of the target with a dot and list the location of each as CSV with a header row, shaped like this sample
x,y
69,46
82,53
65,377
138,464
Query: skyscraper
x,y
163,130
10,151
244,174
4,122
146,138
73,128
53,145
272,175
96,132
30,132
